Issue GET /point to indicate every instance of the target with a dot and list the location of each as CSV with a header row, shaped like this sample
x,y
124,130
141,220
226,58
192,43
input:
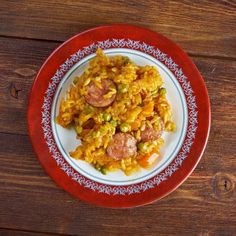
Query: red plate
x,y
187,90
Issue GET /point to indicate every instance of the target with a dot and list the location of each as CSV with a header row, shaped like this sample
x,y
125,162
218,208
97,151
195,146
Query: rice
x,y
140,102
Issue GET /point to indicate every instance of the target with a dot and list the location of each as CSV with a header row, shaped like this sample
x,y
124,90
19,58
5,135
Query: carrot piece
x,y
148,159
148,108
135,125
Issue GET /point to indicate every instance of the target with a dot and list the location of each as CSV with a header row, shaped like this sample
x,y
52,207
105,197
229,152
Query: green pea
x,y
143,147
107,116
122,88
162,91
125,127
113,122
97,167
78,129
76,79
126,60
103,170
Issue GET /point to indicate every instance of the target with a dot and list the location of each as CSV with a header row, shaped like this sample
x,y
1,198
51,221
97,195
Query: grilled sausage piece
x,y
96,96
149,134
121,146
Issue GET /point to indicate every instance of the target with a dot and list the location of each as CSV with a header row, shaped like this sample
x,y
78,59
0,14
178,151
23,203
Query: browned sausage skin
x,y
150,134
95,95
121,146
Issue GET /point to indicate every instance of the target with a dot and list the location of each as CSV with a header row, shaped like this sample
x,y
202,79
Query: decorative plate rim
x,y
156,170
182,79
160,56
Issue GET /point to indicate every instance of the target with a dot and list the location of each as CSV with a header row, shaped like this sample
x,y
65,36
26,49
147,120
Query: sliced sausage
x,y
95,95
149,134
121,146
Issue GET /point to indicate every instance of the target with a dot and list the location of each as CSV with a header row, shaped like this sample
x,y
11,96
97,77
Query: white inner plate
x,y
66,138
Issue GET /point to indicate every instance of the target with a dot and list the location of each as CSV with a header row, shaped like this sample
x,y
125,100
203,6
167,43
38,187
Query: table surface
x,y
32,204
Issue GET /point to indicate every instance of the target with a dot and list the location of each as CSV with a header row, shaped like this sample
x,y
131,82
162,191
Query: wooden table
x,y
32,204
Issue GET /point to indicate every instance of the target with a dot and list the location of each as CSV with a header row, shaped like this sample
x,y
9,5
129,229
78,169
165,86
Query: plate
x,y
182,150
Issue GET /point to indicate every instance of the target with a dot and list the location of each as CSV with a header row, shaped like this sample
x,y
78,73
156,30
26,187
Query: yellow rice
x,y
128,107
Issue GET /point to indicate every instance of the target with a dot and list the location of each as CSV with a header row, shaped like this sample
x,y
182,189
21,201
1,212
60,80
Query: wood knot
x,y
14,92
223,185
204,233
25,72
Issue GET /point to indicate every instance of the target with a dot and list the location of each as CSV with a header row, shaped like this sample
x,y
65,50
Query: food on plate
x,y
122,145
119,111
101,95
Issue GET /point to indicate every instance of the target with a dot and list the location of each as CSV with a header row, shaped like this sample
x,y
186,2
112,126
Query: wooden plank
x,y
31,201
10,232
21,59
19,62
200,27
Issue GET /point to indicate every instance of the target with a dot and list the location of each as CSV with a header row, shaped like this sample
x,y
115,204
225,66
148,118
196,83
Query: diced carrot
x,y
148,159
148,108
135,125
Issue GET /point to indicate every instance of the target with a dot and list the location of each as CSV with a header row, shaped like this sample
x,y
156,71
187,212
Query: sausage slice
x,y
95,95
121,146
149,134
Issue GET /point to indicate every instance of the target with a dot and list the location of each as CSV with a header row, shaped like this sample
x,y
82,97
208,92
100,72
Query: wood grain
x,y
31,201
10,232
19,71
201,27
32,204
204,205
19,62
